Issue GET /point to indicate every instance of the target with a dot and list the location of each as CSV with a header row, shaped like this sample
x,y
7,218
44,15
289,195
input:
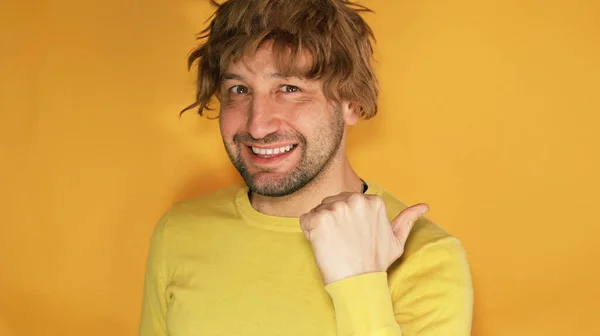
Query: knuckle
x,y
338,206
376,200
304,221
356,198
325,216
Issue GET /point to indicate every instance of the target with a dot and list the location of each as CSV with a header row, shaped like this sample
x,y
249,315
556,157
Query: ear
x,y
350,111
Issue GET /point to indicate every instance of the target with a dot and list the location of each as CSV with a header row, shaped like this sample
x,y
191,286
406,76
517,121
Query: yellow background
x,y
489,112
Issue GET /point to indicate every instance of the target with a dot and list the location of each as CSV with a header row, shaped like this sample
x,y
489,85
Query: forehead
x,y
268,59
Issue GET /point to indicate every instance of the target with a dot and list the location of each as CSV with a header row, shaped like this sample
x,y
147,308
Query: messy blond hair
x,y
337,38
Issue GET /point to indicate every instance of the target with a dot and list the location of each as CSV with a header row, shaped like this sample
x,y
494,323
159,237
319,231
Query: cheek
x,y
311,119
231,121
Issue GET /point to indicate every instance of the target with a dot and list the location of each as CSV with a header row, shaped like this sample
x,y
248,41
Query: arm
x,y
434,294
363,306
431,296
154,305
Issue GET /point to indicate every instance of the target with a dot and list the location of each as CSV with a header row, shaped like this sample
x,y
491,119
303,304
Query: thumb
x,y
403,223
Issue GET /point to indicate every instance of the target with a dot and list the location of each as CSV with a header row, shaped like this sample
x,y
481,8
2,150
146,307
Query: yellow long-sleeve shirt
x,y
216,266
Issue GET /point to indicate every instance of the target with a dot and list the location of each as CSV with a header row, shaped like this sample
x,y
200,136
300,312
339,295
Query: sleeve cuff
x,y
363,304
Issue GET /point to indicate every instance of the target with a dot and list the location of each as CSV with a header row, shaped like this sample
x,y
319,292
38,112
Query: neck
x,y
339,178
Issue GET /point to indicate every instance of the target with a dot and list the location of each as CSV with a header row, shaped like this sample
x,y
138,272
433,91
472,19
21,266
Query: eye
x,y
238,89
289,88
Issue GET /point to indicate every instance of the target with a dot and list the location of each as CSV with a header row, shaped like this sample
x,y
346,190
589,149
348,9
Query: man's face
x,y
278,132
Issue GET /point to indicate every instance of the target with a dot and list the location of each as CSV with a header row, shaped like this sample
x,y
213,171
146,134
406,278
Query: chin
x,y
269,186
280,185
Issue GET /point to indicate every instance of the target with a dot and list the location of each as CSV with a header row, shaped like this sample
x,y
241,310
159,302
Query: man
x,y
306,247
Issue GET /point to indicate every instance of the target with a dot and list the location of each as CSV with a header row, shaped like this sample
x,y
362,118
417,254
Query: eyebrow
x,y
229,76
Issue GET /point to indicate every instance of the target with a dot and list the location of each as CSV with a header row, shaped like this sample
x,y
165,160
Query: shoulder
x,y
219,204
426,235
430,254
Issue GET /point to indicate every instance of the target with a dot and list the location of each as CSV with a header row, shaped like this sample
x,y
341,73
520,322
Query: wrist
x,y
340,273
362,304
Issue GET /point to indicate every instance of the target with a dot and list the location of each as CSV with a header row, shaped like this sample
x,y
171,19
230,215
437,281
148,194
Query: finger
x,y
404,222
306,234
339,197
309,221
322,207
305,222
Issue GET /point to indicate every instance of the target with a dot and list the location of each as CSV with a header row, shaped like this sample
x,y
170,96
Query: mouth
x,y
272,151
271,154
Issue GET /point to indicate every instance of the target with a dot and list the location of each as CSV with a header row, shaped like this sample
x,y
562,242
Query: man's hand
x,y
351,235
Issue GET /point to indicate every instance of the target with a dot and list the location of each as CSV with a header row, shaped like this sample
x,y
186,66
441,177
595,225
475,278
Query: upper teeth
x,y
271,151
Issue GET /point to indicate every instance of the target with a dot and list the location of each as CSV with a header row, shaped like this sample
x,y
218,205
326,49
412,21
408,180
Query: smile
x,y
272,151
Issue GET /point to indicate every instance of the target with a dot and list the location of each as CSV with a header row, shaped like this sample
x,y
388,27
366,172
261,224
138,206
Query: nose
x,y
263,118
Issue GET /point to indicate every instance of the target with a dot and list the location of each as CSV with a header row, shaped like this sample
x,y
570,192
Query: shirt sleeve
x,y
154,305
431,295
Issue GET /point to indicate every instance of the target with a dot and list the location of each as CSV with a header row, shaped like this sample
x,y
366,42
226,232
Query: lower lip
x,y
271,159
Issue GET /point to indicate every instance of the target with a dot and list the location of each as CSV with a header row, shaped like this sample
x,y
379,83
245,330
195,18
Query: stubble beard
x,y
313,161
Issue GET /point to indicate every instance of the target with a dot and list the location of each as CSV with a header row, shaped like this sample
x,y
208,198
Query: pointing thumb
x,y
403,223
